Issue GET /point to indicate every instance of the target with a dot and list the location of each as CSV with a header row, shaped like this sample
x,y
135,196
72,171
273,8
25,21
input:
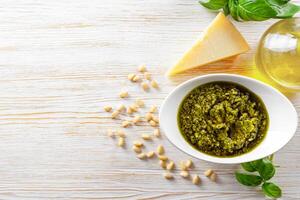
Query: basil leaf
x,y
226,9
232,5
248,179
248,167
271,190
256,10
213,4
287,11
266,169
278,2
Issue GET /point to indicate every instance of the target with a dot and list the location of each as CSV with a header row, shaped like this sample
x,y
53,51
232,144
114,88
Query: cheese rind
x,y
220,40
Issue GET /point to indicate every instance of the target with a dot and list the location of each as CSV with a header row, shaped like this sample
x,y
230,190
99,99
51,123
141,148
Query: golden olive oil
x,y
278,53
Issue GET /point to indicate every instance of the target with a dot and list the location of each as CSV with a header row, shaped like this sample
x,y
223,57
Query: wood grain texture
x,y
62,61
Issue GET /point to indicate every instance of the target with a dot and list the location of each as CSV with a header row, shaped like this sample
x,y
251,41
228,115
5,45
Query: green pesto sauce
x,y
223,119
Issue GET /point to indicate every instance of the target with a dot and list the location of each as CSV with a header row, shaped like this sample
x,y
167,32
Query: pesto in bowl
x,y
223,119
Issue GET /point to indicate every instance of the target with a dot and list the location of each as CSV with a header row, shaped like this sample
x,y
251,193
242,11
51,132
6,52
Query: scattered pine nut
x,y
170,165
134,107
156,133
153,109
163,164
142,68
196,180
208,172
146,137
129,110
140,103
154,84
168,175
189,163
121,108
150,154
155,119
160,150
182,166
115,114
121,133
124,94
162,157
145,86
149,116
107,108
136,119
121,142
110,133
152,123
142,156
184,174
213,177
131,76
147,76
136,78
138,144
136,149
126,124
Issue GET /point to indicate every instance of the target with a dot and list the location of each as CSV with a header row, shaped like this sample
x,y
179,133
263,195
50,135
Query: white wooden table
x,y
62,61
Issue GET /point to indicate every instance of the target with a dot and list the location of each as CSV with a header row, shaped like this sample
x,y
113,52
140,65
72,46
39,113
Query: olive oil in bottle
x,y
278,53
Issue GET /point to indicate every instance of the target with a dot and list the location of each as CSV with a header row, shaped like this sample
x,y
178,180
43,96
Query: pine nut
x,y
131,76
107,108
154,84
156,133
153,123
147,76
149,116
170,165
160,150
208,172
126,124
182,166
196,180
136,119
189,163
153,109
140,103
213,177
136,149
129,110
145,86
163,164
115,114
121,108
137,78
146,137
155,119
142,68
162,157
184,174
138,144
121,142
121,133
142,156
124,94
168,175
150,154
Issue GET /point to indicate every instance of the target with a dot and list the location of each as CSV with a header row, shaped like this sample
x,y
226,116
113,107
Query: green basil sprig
x,y
253,10
266,170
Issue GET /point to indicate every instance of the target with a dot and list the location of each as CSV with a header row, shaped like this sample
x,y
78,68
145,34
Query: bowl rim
x,y
224,160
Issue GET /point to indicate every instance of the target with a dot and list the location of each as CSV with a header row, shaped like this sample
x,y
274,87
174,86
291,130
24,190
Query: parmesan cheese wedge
x,y
220,40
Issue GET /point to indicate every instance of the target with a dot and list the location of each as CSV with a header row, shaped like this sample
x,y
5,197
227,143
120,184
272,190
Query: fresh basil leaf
x,y
226,9
256,10
232,5
271,190
248,179
213,4
266,169
256,164
248,167
287,11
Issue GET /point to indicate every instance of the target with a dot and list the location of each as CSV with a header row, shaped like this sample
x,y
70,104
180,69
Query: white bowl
x,y
283,118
